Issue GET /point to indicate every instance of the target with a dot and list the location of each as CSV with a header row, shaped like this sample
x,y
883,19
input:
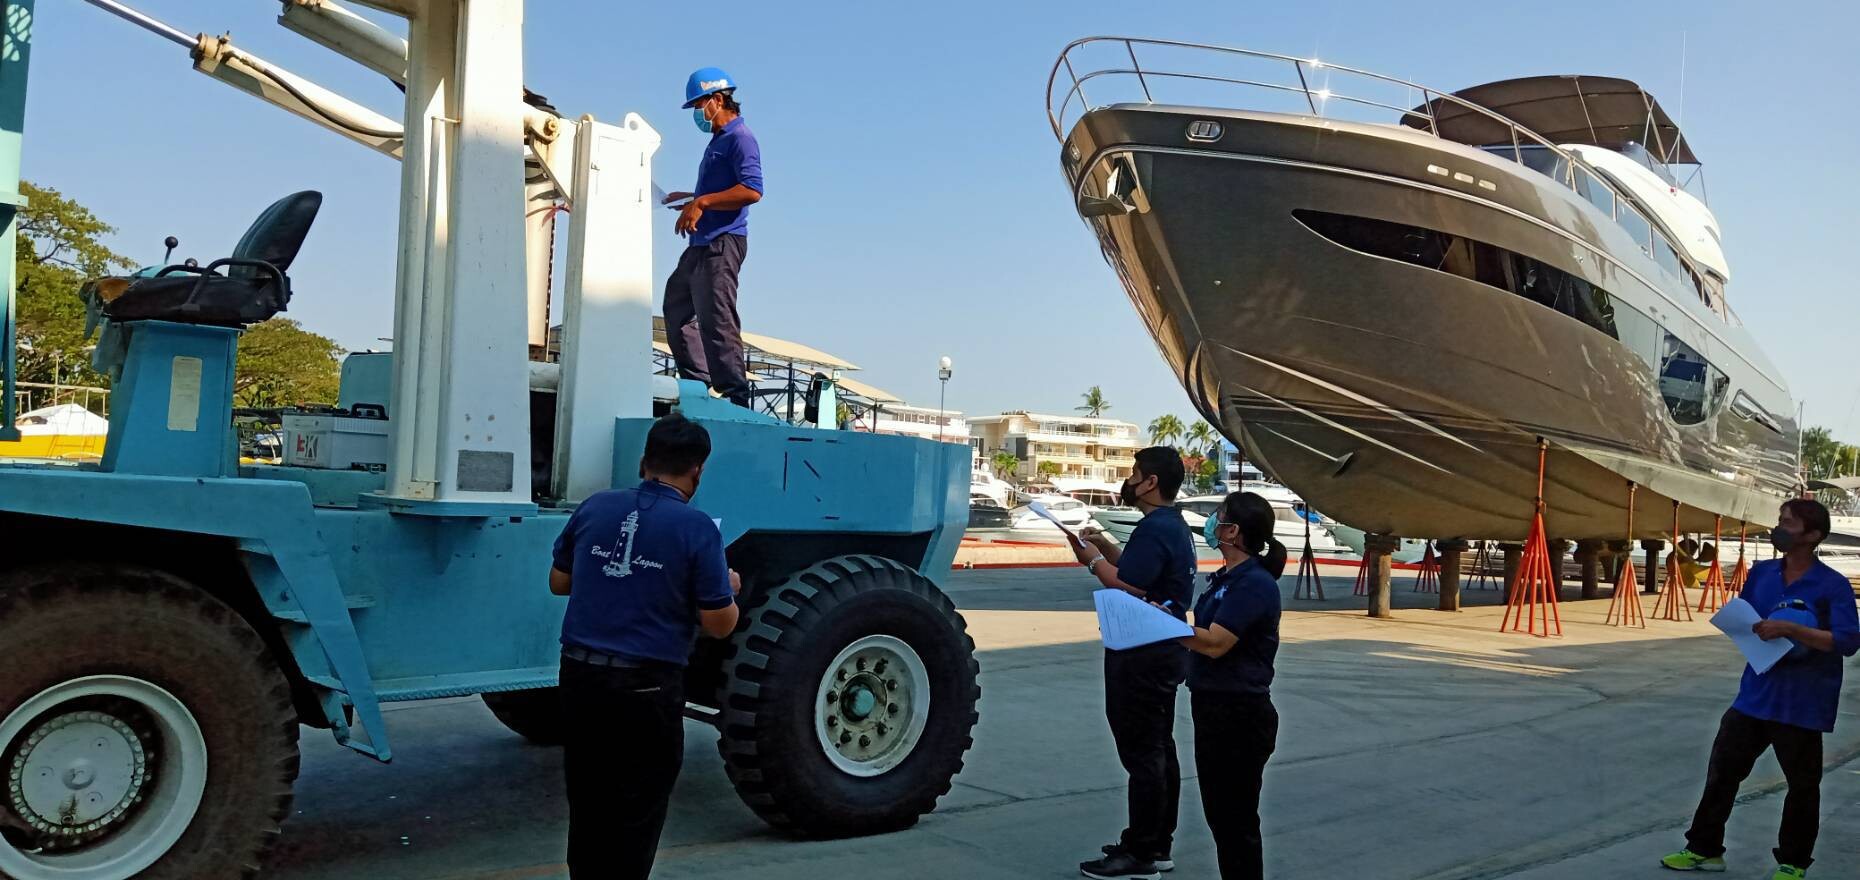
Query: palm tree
x,y
1095,404
1820,452
1165,430
1200,438
1048,469
1005,464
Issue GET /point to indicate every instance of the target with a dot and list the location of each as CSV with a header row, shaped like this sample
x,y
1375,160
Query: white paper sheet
x,y
1040,511
1125,621
1735,619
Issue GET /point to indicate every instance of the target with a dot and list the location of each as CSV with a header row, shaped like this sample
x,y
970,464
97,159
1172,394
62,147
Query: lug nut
x,y
845,737
861,664
833,696
891,685
880,667
832,721
881,728
841,674
864,740
892,708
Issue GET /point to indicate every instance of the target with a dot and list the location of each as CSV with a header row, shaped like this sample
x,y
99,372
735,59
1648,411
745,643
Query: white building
x,y
917,421
1082,448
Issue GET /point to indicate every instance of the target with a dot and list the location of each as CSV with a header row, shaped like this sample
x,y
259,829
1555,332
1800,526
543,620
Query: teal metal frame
x,y
16,20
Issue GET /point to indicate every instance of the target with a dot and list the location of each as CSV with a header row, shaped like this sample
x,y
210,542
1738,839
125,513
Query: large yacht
x,y
1387,294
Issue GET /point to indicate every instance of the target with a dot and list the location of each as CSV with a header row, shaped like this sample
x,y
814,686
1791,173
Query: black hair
x,y
1254,516
1165,464
729,101
1812,513
675,446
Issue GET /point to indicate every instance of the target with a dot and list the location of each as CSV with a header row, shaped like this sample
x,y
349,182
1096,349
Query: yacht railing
x,y
1318,100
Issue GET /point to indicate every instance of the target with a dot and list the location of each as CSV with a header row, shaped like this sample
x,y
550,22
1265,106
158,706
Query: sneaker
x,y
1119,864
1163,863
1687,860
1789,872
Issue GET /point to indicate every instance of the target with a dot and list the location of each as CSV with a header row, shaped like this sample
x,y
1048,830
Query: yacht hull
x,y
1399,398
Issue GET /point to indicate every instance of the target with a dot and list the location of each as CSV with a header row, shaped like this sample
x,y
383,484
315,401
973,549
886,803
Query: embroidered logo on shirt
x,y
623,567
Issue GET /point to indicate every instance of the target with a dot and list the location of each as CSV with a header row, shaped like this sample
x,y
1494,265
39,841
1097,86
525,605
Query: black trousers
x,y
624,746
1139,701
1234,735
1741,741
701,324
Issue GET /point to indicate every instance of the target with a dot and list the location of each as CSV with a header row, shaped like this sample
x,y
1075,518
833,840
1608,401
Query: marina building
x,y
1094,449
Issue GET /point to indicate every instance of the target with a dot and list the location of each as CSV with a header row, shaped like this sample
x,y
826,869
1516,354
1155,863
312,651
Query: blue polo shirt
x,y
1803,691
732,157
642,562
1159,559
1244,600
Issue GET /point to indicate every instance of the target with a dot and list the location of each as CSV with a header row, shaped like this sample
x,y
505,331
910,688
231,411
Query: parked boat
x,y
66,432
1387,294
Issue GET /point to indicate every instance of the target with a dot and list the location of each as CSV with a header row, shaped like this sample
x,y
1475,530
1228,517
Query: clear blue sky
x,y
915,207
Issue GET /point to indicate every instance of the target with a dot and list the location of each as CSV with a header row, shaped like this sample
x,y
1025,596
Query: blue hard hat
x,y
706,81
1802,616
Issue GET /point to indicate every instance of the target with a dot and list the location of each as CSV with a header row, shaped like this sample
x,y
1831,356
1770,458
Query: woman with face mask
x,y
1230,677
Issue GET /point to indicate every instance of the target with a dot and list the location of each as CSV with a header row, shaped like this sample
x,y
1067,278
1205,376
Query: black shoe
x,y
1119,864
1162,862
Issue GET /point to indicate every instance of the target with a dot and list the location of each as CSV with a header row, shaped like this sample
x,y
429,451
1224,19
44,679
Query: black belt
x,y
602,658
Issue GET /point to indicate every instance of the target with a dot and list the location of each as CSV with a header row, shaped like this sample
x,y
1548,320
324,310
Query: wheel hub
x,y
77,775
874,698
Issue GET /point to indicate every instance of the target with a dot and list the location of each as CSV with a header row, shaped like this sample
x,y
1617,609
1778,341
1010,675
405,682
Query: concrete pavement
x,y
1428,746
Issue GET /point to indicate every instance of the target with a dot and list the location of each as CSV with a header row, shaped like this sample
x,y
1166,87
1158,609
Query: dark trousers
x,y
1741,741
624,746
701,324
1139,701
1234,735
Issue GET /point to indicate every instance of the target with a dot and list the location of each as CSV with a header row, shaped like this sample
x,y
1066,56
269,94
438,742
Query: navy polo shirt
x,y
1803,691
1159,559
642,562
1244,600
732,157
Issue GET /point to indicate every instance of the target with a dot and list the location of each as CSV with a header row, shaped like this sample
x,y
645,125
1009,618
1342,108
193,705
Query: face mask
x,y
1782,540
697,115
1210,532
1127,494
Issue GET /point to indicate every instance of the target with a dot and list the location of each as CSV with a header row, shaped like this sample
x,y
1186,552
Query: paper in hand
x,y
1125,621
1735,619
1040,511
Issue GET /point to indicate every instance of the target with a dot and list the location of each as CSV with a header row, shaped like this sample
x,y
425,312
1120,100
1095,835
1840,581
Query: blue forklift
x,y
170,619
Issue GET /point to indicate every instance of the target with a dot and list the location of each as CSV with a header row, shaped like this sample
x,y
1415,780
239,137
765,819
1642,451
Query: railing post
x,y
1427,100
1141,81
1305,84
1076,85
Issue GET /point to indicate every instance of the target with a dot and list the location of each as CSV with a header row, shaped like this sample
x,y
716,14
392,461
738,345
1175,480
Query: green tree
x,y
282,364
1095,402
1205,473
1820,452
1048,469
1200,438
58,248
1166,429
1005,464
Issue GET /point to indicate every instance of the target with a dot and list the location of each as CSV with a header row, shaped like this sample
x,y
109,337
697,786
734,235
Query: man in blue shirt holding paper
x,y
1157,565
1787,708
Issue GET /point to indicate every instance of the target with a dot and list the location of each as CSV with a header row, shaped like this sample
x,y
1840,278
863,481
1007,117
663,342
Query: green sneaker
x,y
1789,872
1687,860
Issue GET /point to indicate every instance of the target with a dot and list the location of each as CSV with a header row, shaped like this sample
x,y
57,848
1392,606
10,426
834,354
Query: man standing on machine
x,y
701,323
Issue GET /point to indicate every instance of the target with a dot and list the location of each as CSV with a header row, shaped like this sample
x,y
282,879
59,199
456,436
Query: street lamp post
x,y
942,398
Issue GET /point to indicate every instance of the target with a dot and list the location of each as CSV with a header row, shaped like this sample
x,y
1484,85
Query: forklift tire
x,y
152,678
850,699
535,715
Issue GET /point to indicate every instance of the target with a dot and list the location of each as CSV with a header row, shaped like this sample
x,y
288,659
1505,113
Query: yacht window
x,y
1663,254
1640,334
1690,386
1595,191
1198,507
1637,226
1538,158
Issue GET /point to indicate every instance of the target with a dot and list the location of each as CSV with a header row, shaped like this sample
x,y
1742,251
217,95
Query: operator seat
x,y
253,288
